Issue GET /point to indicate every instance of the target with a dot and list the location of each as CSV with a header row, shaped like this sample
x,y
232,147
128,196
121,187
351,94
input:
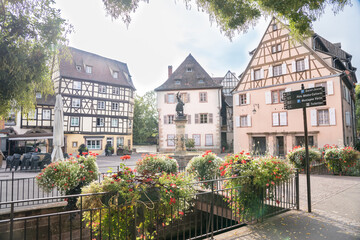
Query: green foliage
x,y
190,144
153,164
145,118
298,155
204,167
68,174
340,160
357,107
239,15
30,31
82,148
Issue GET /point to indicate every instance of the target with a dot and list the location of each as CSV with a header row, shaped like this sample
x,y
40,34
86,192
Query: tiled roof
x,y
218,80
183,78
102,68
333,48
229,100
49,100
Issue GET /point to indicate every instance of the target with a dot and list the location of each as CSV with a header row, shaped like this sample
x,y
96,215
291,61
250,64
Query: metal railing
x,y
214,209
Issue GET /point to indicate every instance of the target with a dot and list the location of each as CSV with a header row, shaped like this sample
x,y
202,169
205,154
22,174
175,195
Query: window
x,y
203,118
38,95
300,140
32,114
208,139
197,139
116,90
323,117
203,97
74,144
188,69
46,114
201,81
279,119
102,89
101,104
114,122
177,82
100,122
88,69
242,99
115,74
115,106
74,121
170,98
276,48
130,124
185,97
277,96
243,121
120,141
93,144
75,102
300,65
171,139
322,84
77,85
274,27
257,74
277,70
169,119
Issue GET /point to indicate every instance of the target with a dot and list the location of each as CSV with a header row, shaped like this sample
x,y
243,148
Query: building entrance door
x,y
280,146
259,145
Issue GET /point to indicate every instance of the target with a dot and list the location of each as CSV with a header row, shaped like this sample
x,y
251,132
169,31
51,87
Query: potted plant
x,y
339,160
69,175
297,156
82,148
127,150
153,164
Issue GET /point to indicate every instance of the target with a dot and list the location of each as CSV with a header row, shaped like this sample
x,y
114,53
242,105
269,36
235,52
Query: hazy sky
x,y
163,33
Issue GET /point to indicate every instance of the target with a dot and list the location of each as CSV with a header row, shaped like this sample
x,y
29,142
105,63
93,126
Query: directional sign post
x,y
305,98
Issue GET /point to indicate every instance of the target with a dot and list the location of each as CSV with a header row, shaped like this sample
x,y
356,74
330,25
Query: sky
x,y
164,33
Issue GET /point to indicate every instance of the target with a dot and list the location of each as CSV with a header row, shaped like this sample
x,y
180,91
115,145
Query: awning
x,y
31,136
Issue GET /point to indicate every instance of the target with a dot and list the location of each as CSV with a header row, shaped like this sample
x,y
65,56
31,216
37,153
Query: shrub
x,y
152,164
204,167
340,160
297,156
82,148
190,144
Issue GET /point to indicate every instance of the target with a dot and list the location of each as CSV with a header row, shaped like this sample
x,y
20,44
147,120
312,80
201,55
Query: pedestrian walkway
x,y
335,214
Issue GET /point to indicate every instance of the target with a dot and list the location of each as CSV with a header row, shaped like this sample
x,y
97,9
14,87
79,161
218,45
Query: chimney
x,y
169,70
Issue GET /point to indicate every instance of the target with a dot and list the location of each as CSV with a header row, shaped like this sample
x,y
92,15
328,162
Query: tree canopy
x,y
30,32
145,118
236,16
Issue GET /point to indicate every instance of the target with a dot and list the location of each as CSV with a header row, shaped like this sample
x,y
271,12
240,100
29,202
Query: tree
x,y
238,15
30,31
357,108
145,118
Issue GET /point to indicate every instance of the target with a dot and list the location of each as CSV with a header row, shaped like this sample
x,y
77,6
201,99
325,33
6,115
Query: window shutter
x,y
347,118
165,119
247,98
306,63
330,87
270,71
188,97
275,119
237,99
332,116
261,73
210,118
249,120
237,121
196,118
283,119
313,115
283,70
188,119
293,66
252,74
268,97
165,98
311,85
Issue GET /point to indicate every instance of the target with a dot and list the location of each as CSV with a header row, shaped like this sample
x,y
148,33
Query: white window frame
x,y
101,122
300,65
244,121
77,85
197,139
32,115
277,70
209,141
243,99
116,90
94,144
323,117
115,74
88,69
76,102
171,98
101,105
74,121
203,97
102,89
114,122
257,74
170,119
115,106
203,118
170,140
46,114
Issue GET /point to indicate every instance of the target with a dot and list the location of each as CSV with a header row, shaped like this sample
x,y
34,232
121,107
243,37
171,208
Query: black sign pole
x,y
307,157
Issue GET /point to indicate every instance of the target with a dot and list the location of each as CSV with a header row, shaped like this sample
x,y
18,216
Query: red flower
x,y
181,213
70,154
209,161
130,190
77,156
172,201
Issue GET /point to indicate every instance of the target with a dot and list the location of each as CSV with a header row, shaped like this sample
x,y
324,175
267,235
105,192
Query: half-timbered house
x,y
203,102
98,100
281,64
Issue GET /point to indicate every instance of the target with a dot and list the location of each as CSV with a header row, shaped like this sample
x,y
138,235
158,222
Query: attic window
x,y
78,67
177,82
189,69
38,95
201,81
115,74
88,69
274,27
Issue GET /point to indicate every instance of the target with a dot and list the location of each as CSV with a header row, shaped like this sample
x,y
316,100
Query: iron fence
x,y
214,209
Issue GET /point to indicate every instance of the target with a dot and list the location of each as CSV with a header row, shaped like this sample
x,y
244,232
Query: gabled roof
x,y
49,100
183,79
218,80
332,48
102,68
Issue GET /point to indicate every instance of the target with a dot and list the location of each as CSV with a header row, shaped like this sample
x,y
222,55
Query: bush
x,y
204,167
190,144
340,160
82,148
152,164
297,156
